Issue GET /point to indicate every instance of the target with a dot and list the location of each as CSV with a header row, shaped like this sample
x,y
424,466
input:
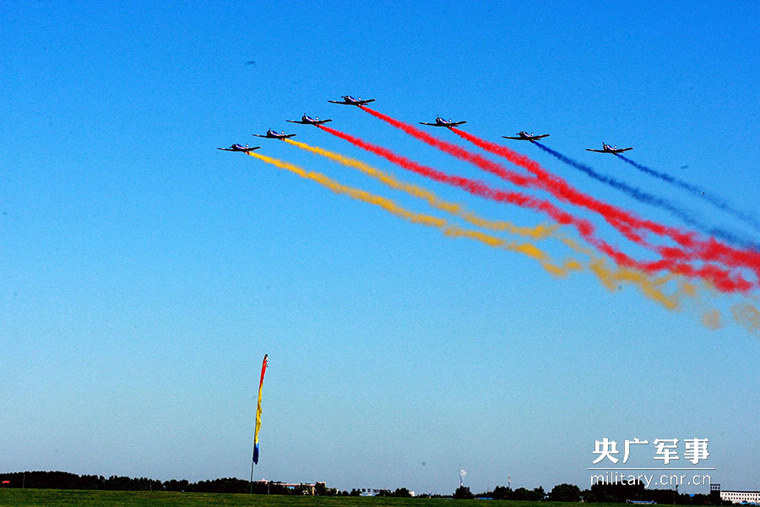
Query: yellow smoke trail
x,y
538,232
652,287
450,230
748,316
649,286
609,277
711,319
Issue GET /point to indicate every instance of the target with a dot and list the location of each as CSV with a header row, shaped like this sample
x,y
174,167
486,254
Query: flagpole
x,y
257,425
252,464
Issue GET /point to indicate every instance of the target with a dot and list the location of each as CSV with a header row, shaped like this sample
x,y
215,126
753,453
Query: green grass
x,y
46,497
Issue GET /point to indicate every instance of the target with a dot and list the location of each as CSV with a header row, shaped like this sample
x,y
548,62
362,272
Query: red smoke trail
x,y
543,180
562,189
710,250
718,277
473,186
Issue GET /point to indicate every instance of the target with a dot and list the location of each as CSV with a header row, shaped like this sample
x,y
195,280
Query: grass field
x,y
45,497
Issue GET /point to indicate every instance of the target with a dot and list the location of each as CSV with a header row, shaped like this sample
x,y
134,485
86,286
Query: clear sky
x,y
144,274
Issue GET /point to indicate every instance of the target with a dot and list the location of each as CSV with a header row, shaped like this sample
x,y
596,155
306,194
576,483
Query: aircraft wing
x,y
320,122
297,121
338,101
225,149
457,123
286,136
541,136
431,124
363,102
621,150
597,151
260,135
251,149
515,138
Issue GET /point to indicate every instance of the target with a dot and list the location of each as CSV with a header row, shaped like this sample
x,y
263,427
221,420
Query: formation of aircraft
x,y
606,148
240,147
348,100
440,122
271,134
524,136
308,120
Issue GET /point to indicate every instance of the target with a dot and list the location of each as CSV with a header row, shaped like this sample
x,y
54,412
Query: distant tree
x,y
463,492
616,492
402,492
175,485
321,489
521,494
226,485
565,493
526,494
501,493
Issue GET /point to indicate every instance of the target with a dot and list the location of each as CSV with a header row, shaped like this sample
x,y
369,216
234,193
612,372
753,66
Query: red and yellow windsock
x,y
258,413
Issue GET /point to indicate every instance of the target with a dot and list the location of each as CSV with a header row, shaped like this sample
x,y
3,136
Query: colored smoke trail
x,y
390,206
698,250
747,316
708,250
478,188
653,288
543,180
610,278
537,232
719,277
697,191
650,199
561,189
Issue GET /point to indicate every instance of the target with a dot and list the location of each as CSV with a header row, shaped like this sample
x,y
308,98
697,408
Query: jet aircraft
x,y
524,136
440,122
240,147
606,148
308,120
348,100
271,134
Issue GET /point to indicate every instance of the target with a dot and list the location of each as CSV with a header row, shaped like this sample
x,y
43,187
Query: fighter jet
x,y
440,122
524,136
606,148
308,120
271,134
240,147
348,100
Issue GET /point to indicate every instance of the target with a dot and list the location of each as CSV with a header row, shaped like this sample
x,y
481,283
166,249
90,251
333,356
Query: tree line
x,y
606,493
66,480
598,493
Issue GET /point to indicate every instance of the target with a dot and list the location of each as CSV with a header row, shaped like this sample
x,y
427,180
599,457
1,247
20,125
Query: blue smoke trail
x,y
653,200
699,192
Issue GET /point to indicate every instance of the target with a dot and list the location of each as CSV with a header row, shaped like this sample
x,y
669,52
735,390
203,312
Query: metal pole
x,y
251,492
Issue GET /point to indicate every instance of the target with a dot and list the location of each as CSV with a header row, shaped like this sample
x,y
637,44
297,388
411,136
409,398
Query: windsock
x,y
258,413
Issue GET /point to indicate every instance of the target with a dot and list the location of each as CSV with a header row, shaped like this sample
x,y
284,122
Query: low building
x,y
741,497
276,487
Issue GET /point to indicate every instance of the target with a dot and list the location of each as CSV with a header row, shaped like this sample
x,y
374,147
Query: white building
x,y
740,496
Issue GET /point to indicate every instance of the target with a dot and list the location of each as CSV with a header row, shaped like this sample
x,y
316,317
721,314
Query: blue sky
x,y
144,274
